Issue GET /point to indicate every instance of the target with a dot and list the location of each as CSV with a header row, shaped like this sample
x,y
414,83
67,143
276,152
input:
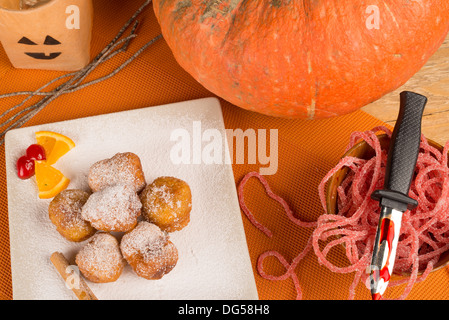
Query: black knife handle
x,y
403,154
405,142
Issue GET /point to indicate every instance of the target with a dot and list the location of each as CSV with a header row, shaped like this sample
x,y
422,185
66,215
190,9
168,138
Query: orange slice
x,y
50,181
55,144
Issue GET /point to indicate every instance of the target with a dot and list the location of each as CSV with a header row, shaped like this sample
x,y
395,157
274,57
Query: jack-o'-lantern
x,y
53,36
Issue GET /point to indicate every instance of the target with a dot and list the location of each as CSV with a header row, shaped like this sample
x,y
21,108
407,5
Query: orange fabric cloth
x,y
307,150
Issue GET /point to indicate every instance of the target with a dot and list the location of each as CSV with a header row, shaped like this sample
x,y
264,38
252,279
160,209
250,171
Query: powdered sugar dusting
x,y
67,207
163,193
65,212
122,168
145,239
167,203
156,264
100,258
149,251
114,208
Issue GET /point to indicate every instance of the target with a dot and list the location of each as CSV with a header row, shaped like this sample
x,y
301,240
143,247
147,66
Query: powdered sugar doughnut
x,y
167,202
149,251
100,260
122,168
114,208
64,212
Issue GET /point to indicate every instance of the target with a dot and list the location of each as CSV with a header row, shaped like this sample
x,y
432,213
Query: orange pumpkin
x,y
302,59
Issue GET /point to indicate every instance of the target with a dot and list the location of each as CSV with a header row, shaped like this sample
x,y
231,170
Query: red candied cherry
x,y
36,152
25,167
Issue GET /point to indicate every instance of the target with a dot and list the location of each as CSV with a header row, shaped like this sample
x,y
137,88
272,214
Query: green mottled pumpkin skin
x,y
306,59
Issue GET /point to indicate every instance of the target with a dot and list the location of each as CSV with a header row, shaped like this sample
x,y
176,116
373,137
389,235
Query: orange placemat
x,y
307,150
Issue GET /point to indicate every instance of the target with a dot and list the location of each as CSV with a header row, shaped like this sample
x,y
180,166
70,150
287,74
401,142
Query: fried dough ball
x,y
114,208
149,251
167,202
65,213
100,260
122,168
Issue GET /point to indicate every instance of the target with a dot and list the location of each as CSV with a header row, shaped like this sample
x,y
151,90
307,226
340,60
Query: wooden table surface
x,y
433,82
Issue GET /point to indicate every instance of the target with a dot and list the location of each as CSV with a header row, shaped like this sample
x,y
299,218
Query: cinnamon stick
x,y
81,290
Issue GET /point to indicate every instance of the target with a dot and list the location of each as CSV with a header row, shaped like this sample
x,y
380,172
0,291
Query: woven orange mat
x,y
307,150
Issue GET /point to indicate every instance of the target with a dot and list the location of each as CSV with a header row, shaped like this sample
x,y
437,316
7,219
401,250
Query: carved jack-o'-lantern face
x,y
54,36
49,41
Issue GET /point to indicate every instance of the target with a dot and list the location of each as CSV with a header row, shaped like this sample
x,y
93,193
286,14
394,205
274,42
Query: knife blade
x,y
394,199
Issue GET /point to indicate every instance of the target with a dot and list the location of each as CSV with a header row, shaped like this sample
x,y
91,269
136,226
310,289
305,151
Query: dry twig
x,y
74,80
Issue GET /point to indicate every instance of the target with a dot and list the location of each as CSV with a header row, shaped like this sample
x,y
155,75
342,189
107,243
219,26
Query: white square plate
x,y
213,256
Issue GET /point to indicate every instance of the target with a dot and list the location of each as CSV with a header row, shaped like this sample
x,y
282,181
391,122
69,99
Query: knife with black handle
x,y
394,199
